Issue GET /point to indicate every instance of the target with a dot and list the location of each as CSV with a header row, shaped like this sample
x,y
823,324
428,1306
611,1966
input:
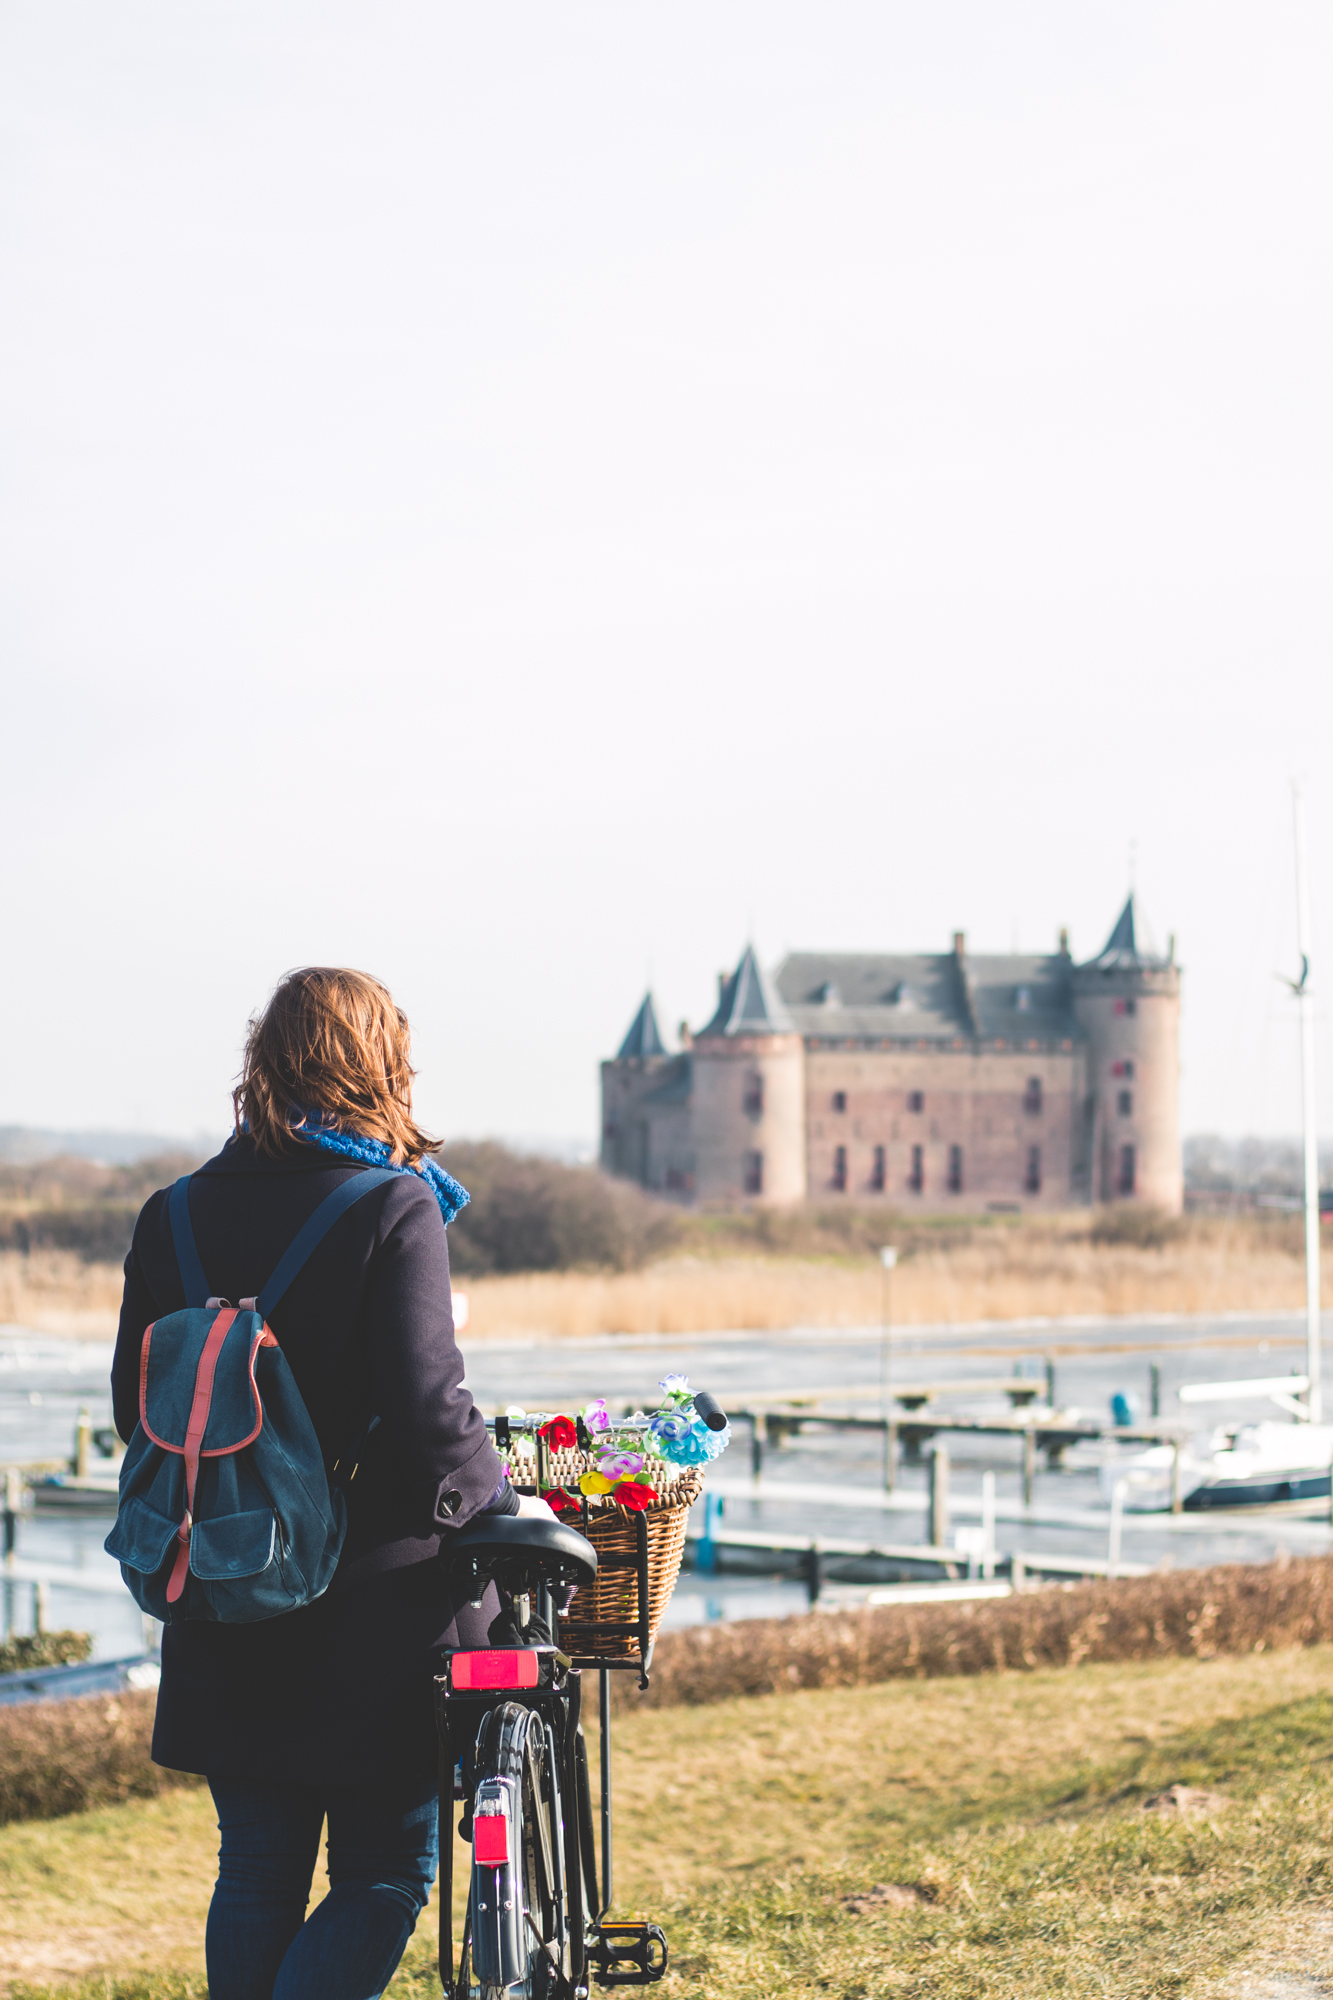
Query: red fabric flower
x,y
634,1494
560,1434
561,1502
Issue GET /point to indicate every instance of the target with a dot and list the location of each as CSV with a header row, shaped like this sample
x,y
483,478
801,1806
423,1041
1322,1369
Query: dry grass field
x,y
985,1271
977,1839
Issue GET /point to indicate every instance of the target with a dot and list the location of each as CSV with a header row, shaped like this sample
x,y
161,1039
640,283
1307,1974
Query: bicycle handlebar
x,y
710,1410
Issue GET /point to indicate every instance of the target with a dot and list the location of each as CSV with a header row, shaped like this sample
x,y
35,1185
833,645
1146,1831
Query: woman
x,y
326,1712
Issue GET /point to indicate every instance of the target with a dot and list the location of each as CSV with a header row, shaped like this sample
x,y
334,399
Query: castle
x,y
937,1081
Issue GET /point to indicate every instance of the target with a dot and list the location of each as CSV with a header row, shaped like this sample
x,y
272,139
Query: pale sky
x,y
521,498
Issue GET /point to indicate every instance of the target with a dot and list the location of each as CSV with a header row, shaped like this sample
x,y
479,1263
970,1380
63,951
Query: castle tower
x,y
626,1081
749,1096
1128,1005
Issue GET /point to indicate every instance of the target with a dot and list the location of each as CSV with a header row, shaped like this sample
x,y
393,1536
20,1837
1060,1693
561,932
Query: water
x,y
820,1484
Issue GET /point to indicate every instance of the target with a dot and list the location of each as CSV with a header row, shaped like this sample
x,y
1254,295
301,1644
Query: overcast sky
x,y
521,498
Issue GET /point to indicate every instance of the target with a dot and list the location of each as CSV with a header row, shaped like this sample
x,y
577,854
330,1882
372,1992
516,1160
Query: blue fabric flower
x,y
449,1193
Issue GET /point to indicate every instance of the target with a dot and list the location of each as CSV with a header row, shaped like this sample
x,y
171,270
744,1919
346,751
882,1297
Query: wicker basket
x,y
603,1620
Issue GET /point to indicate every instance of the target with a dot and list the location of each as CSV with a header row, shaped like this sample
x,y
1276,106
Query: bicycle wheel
x,y
519,1915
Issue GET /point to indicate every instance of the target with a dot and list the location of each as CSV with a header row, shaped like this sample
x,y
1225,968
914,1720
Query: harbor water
x,y
823,1485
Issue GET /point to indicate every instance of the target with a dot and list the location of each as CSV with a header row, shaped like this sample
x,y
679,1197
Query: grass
x,y
1012,1804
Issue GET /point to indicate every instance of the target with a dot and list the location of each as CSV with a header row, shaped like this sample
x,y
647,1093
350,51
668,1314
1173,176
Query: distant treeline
x,y
530,1213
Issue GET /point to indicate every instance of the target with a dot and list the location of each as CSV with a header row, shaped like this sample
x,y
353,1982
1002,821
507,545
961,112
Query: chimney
x,y
721,986
1064,942
959,943
686,1038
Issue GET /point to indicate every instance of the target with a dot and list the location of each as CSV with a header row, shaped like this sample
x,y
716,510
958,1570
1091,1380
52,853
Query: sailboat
x,y
1267,1464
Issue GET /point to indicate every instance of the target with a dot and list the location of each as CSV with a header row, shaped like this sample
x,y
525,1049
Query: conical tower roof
x,y
748,1004
643,1039
1121,952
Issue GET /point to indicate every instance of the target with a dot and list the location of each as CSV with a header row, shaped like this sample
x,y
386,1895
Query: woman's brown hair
x,y
330,1040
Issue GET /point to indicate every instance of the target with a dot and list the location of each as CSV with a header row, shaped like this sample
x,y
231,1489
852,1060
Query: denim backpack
x,y
226,1512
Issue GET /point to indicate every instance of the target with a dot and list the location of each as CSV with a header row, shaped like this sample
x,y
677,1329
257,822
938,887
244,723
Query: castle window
x,y
1125,1068
1032,1177
1124,1103
840,1100
1125,1184
1126,1007
955,1170
1023,999
916,1100
1032,1097
916,1180
754,1173
840,1169
879,1171
753,1100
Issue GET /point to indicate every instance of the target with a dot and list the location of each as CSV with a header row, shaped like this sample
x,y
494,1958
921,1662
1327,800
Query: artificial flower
x,y
515,1414
561,1502
597,1417
616,1464
560,1434
675,1385
595,1482
633,1494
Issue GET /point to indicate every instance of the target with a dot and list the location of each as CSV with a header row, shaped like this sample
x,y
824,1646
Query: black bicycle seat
x,y
495,1538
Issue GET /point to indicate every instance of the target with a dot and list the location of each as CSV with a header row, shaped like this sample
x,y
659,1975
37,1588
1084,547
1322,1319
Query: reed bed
x,y
59,1757
1037,1268
1005,1275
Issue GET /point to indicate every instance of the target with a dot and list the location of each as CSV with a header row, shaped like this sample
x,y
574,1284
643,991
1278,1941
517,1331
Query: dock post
x,y
1029,1463
13,1502
757,1428
1175,1477
938,1520
41,1605
1050,1381
987,1525
890,1454
814,1573
83,1437
1017,1572
1154,1388
1117,1523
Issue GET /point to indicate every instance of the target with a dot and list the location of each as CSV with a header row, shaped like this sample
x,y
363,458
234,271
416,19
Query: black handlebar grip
x,y
710,1410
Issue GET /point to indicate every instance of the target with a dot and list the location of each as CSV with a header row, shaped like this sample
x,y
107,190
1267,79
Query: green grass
x,y
1014,1804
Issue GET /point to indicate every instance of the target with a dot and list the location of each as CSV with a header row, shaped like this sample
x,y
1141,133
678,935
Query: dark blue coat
x,y
337,1693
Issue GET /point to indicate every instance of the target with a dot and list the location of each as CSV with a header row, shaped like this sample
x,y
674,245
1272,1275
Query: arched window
x,y
1032,1097
840,1169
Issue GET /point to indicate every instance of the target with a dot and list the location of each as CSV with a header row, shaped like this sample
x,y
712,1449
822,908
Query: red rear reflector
x,y
516,1667
490,1840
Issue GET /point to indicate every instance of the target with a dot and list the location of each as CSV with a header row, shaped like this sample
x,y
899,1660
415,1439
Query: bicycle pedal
x,y
627,1953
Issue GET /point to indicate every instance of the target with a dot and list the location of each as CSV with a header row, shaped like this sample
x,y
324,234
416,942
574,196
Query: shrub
x,y
25,1652
1139,1228
60,1757
531,1214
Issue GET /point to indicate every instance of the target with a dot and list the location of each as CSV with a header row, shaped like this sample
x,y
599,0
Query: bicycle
x,y
512,1749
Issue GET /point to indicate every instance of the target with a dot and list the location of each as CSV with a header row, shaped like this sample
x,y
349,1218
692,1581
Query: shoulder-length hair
x,y
330,1041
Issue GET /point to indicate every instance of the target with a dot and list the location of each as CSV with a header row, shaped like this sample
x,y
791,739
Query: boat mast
x,y
1305,1000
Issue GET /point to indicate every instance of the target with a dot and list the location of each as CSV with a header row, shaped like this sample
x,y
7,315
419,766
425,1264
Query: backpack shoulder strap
x,y
182,1235
313,1232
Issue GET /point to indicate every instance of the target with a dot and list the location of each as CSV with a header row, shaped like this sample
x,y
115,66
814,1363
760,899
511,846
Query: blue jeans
x,y
384,1846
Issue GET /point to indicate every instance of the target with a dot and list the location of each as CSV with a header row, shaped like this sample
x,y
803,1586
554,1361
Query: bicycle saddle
x,y
558,1551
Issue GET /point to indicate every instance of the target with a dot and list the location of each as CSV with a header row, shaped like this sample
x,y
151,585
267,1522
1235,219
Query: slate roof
x,y
909,997
748,1003
643,1039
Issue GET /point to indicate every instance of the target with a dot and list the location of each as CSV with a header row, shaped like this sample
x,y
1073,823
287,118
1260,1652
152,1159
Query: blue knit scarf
x,y
449,1193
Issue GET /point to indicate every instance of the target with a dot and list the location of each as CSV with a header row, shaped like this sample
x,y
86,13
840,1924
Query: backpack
x,y
226,1511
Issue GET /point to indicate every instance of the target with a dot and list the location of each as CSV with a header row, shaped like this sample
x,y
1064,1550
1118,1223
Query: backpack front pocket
x,y
141,1536
233,1545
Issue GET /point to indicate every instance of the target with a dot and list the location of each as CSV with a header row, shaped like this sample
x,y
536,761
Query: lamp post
x,y
888,1257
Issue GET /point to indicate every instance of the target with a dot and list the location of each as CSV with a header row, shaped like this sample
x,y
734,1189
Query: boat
x,y
1234,1466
